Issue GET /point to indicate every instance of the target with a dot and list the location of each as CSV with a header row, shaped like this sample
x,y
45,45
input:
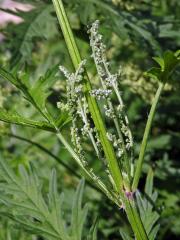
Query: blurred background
x,y
134,31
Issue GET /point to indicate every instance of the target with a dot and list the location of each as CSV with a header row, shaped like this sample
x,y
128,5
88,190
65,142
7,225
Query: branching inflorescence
x,y
109,84
120,137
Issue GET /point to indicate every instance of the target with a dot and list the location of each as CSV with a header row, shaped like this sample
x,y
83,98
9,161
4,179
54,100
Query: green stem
x,y
135,221
93,107
145,137
137,224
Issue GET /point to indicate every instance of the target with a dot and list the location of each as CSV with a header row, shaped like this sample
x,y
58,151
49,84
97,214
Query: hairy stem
x,y
145,137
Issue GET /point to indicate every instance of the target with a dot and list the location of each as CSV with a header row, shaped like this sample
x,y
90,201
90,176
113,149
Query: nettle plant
x,y
89,109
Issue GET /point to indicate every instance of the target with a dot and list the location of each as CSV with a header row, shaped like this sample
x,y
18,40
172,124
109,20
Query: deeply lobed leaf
x,y
27,206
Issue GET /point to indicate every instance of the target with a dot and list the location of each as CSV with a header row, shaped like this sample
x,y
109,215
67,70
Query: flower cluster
x,y
74,94
63,106
109,84
78,109
109,112
117,144
101,93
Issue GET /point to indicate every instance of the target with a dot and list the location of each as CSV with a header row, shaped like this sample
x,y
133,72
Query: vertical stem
x,y
145,137
135,221
93,107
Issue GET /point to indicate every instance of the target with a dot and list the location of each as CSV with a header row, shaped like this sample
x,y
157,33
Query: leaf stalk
x,y
145,137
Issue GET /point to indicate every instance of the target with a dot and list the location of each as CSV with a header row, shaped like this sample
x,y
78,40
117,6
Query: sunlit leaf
x,y
37,93
167,64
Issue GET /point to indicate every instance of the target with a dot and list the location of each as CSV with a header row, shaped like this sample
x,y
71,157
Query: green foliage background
x,y
134,32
